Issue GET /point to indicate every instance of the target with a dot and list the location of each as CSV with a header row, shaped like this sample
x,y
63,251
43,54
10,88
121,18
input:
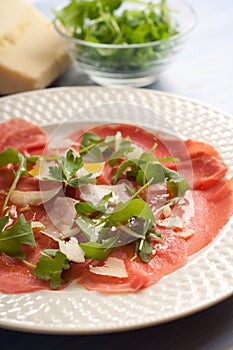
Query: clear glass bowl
x,y
134,65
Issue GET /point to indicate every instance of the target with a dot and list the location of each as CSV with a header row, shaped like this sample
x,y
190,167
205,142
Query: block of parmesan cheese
x,y
32,54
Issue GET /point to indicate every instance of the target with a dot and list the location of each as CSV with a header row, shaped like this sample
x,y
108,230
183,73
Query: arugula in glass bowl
x,y
124,42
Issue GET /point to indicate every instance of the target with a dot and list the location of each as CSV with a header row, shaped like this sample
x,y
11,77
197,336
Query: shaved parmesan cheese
x,y
58,144
171,222
94,193
52,231
62,215
113,267
167,211
32,198
186,234
72,250
156,238
118,138
37,226
12,212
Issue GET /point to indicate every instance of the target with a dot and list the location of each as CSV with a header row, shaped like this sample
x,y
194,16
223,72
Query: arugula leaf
x,y
71,164
124,148
149,171
147,168
12,156
93,148
96,251
94,155
145,251
143,247
136,207
87,226
129,163
176,182
86,208
81,180
49,252
55,174
12,238
51,268
3,221
66,172
88,141
32,159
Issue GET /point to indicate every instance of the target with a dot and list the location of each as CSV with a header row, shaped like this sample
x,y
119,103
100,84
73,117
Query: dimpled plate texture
x,y
207,277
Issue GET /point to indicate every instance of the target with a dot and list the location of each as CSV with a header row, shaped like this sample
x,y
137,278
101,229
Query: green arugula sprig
x,y
95,149
51,266
13,237
143,246
147,167
12,156
66,172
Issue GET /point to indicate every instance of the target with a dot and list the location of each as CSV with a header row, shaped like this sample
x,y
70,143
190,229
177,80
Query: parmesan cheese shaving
x,y
167,211
37,226
72,250
171,222
12,212
32,198
113,267
118,138
186,234
94,193
61,219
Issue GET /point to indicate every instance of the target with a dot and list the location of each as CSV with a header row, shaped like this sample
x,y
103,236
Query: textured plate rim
x,y
143,90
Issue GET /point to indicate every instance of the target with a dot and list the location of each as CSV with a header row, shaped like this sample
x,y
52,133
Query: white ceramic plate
x,y
204,281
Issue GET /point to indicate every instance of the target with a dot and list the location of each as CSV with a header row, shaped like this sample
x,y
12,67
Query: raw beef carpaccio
x,y
183,224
